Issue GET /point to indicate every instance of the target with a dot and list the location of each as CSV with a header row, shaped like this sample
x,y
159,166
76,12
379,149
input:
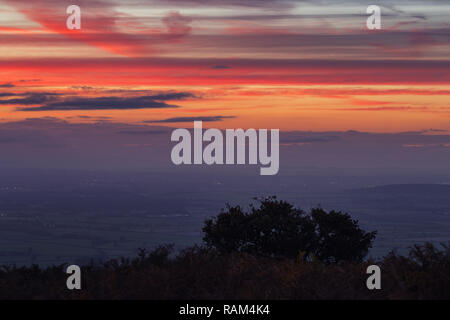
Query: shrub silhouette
x,y
278,229
201,273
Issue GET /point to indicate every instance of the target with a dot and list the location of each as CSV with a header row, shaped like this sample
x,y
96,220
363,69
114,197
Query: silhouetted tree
x,y
278,229
339,237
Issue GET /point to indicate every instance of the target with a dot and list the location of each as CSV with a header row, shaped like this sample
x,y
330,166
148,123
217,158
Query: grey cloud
x,y
142,132
113,103
273,4
421,132
308,138
89,117
34,98
220,67
436,130
29,80
27,98
190,119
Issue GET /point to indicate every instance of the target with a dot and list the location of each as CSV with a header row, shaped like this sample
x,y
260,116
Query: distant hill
x,y
409,189
419,201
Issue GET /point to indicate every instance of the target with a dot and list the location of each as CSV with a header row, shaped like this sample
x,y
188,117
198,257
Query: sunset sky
x,y
292,65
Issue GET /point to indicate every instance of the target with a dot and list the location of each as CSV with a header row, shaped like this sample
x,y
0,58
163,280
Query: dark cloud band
x,y
190,119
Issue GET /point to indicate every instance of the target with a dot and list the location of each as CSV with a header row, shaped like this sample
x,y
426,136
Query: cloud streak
x,y
99,103
7,85
182,71
191,119
103,26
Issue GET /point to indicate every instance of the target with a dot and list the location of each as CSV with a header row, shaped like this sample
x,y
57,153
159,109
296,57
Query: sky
x,y
304,67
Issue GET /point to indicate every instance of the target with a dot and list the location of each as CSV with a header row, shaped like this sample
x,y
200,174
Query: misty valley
x,y
51,217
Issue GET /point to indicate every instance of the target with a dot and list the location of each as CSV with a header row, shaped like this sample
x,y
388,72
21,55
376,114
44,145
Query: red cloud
x,y
102,25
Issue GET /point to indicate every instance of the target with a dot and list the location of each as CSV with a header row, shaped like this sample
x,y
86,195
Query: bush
x,y
277,229
201,273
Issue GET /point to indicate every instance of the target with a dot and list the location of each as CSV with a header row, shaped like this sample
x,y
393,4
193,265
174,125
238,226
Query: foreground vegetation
x,y
272,252
199,273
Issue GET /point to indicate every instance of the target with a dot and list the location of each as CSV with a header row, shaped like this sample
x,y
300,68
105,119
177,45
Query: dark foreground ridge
x,y
200,273
271,252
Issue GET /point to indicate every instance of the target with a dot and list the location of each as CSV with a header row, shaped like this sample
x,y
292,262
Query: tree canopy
x,y
278,229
